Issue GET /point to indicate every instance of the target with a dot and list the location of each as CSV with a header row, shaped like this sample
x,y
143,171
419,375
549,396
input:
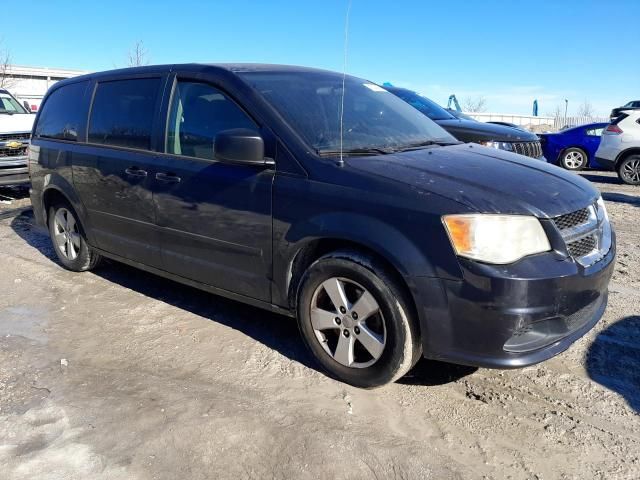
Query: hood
x,y
470,131
485,179
16,123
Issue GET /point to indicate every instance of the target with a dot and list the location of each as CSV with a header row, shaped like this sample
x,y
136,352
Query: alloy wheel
x,y
348,323
630,171
66,234
574,160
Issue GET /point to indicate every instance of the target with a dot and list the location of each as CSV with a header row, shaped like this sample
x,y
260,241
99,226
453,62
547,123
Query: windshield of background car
x,y
430,108
373,118
8,104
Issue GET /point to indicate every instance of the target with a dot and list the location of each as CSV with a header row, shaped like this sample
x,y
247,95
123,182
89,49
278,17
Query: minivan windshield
x,y
430,108
374,120
9,105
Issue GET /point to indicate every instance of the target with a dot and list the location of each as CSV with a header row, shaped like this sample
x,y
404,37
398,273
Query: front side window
x,y
63,113
122,113
198,112
372,118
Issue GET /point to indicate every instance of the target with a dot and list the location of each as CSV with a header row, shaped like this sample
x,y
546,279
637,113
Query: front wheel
x,y
356,321
629,170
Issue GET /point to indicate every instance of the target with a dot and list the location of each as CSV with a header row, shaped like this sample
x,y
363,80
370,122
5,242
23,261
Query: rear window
x,y
123,111
63,113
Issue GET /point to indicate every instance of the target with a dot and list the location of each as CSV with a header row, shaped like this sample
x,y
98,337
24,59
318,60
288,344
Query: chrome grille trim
x,y
15,136
586,234
528,149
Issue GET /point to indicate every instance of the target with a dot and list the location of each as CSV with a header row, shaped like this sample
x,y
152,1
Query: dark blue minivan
x,y
326,198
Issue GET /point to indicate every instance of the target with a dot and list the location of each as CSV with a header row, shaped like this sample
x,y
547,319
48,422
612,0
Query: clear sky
x,y
509,52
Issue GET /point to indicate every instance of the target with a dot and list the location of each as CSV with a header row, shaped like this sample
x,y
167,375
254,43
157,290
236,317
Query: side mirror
x,y
239,145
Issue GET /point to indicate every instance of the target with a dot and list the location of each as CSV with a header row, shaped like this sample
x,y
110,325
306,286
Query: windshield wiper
x,y
426,143
353,152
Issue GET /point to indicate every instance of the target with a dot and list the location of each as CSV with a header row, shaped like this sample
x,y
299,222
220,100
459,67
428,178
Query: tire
x,y
629,170
573,159
68,239
383,341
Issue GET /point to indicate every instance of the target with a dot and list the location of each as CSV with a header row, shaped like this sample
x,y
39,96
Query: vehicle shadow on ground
x,y
621,198
613,359
432,373
275,331
601,179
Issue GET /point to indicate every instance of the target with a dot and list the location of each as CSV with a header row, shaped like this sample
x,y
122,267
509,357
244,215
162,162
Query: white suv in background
x,y
620,147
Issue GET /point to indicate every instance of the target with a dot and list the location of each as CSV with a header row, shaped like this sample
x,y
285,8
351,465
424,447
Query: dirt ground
x,y
119,374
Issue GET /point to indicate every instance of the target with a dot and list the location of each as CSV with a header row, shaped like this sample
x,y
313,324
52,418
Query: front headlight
x,y
508,146
602,210
496,239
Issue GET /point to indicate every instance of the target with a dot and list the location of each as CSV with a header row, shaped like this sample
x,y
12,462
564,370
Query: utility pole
x,y
566,107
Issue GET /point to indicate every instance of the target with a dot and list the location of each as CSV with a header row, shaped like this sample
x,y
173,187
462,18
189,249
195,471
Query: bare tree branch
x,y
5,65
138,55
585,109
557,112
477,104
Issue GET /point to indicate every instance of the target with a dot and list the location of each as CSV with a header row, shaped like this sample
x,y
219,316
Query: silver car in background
x,y
620,147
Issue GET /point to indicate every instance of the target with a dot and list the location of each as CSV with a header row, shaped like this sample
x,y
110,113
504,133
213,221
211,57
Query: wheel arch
x,y
394,252
625,154
59,189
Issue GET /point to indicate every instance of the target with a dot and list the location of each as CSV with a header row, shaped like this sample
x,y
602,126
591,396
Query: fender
x,y
57,182
382,238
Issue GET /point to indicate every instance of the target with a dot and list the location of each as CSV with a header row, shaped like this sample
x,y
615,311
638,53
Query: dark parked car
x,y
632,105
464,116
573,148
386,237
489,134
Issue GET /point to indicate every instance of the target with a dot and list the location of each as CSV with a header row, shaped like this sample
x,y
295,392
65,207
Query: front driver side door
x,y
214,217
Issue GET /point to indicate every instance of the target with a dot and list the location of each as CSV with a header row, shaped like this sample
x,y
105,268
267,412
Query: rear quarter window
x,y
63,113
123,111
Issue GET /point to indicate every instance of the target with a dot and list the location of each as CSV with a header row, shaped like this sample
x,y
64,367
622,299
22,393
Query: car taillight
x,y
613,130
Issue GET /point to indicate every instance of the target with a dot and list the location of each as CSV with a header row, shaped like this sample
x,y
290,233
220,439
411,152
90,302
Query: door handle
x,y
135,172
168,177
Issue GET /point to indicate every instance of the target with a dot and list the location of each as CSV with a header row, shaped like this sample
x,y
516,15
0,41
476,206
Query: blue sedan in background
x,y
574,148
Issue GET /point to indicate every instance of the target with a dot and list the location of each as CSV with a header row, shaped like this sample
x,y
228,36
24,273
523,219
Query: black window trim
x,y
174,79
162,76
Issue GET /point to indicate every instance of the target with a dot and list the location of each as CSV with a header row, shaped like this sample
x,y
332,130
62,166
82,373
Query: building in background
x,y
31,83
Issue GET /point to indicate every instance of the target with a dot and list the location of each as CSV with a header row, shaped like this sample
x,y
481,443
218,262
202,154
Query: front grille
x,y
13,152
528,149
14,136
572,219
586,233
582,247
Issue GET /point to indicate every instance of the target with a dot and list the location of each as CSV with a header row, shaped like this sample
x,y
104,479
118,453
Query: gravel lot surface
x,y
118,374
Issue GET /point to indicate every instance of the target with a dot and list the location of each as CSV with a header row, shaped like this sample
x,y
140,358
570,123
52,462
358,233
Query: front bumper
x,y
499,317
14,171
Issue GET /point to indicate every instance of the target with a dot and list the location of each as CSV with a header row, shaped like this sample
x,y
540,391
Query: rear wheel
x,y
573,159
629,170
355,320
69,241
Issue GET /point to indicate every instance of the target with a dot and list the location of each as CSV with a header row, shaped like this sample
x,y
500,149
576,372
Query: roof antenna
x,y
344,76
